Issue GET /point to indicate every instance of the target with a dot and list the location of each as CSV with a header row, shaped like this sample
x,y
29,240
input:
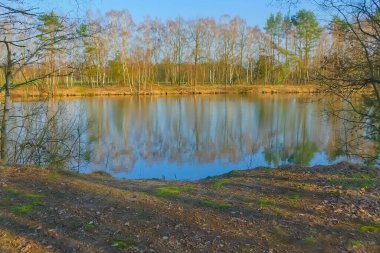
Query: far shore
x,y
117,90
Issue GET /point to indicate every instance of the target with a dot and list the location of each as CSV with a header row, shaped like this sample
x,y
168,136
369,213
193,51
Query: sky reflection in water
x,y
192,137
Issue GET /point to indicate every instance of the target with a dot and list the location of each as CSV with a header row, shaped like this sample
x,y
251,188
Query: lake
x,y
193,137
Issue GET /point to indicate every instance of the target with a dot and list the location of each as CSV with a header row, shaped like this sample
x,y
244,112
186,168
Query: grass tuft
x,y
12,192
121,244
168,191
89,227
355,243
264,202
29,201
371,228
221,182
33,195
295,200
27,208
358,180
310,240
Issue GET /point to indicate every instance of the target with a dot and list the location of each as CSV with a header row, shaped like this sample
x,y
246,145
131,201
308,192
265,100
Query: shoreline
x,y
291,208
82,91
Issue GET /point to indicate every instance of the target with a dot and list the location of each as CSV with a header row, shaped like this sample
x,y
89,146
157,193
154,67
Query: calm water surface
x,y
192,137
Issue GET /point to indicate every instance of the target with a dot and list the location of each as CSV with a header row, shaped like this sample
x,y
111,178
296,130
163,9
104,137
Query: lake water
x,y
192,137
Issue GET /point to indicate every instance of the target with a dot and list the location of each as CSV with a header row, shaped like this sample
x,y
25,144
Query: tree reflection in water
x,y
191,137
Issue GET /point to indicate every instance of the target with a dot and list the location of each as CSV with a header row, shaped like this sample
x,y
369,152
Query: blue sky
x,y
254,11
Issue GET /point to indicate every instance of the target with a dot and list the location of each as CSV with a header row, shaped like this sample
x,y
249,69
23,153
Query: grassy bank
x,y
33,91
320,209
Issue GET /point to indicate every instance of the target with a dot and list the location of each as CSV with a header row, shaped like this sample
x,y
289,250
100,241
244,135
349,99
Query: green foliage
x,y
116,68
83,30
282,73
122,244
215,204
221,182
337,24
50,25
308,31
307,26
274,25
263,65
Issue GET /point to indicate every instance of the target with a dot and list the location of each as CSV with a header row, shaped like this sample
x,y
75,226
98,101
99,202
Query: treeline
x,y
113,50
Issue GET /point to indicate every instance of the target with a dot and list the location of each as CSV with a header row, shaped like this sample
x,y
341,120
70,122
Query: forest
x,y
111,49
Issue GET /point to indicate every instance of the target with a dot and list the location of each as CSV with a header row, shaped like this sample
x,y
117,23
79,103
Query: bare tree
x,y
357,71
29,38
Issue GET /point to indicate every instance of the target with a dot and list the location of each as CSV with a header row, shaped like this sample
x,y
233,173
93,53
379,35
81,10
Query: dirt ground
x,y
289,209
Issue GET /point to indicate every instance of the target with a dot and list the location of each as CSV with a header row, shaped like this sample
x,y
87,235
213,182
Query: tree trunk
x,y
4,123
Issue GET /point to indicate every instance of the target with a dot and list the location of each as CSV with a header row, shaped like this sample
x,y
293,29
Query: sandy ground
x,y
290,209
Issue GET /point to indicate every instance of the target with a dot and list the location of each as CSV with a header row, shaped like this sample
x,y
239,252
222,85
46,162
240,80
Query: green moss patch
x,y
221,182
295,200
23,203
215,204
263,202
168,191
246,200
12,192
359,180
89,227
355,243
122,244
172,190
188,187
310,240
33,195
371,228
26,208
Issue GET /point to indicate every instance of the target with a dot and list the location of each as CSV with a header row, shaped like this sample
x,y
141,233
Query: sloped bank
x,y
290,209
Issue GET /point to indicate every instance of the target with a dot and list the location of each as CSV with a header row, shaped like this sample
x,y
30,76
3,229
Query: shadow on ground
x,y
321,209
